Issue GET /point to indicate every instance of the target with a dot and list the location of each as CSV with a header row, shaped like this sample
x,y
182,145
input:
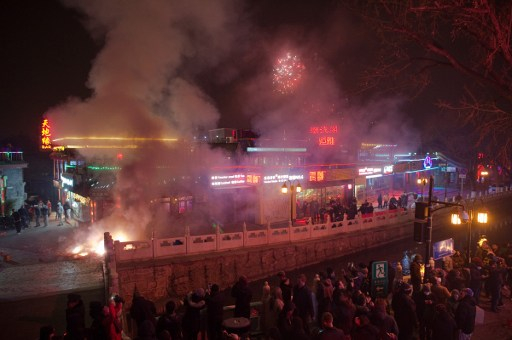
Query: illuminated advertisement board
x,y
46,134
66,181
369,171
387,169
227,180
277,178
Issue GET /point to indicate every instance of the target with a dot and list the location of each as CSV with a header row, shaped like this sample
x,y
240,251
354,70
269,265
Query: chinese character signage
x,y
253,179
316,176
46,134
325,134
227,180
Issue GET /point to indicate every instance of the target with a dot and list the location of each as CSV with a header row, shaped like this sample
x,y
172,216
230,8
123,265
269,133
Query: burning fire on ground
x,y
94,245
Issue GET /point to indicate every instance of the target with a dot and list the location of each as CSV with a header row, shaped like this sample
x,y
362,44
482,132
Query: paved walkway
x,y
38,263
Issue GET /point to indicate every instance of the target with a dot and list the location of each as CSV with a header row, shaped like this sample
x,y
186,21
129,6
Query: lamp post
x,y
456,218
293,188
467,217
422,182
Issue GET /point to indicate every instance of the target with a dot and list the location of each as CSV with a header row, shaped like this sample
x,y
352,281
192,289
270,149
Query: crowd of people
x,y
441,301
337,209
39,214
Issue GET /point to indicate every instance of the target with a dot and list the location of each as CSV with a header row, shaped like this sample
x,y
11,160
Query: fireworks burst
x,y
288,72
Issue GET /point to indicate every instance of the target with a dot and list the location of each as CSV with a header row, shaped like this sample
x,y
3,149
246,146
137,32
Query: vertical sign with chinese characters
x,y
46,133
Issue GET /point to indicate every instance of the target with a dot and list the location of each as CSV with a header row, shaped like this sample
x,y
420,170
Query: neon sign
x,y
224,180
369,171
316,176
46,133
281,178
325,133
388,169
427,162
66,181
323,129
254,179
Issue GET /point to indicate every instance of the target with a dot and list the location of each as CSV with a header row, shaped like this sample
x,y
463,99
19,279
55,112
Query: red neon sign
x,y
316,176
323,129
325,134
46,133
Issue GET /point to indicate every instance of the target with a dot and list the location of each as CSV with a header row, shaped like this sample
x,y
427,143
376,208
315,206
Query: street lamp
x,y
293,188
467,217
423,222
422,182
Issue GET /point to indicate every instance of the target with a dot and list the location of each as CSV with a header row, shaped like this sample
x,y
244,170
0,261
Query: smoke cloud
x,y
147,82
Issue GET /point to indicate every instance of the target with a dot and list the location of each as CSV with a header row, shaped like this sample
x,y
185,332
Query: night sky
x,y
47,55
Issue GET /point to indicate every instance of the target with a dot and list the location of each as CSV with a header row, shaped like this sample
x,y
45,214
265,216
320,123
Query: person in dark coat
x,y
286,286
405,312
416,273
215,313
303,301
194,302
466,313
243,296
425,310
328,331
25,217
142,310
494,283
344,311
380,318
444,326
170,322
75,318
476,278
17,220
98,329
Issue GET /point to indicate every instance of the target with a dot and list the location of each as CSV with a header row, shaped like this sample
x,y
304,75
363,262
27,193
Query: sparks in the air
x,y
288,73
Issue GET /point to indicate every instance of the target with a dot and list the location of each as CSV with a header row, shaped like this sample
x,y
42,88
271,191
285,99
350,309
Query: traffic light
x,y
421,212
419,231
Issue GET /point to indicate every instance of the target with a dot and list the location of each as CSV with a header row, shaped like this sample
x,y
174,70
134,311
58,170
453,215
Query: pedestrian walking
x,y
37,212
59,213
44,214
67,212
17,221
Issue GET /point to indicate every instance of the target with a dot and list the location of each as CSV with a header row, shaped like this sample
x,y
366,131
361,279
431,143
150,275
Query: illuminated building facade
x,y
247,190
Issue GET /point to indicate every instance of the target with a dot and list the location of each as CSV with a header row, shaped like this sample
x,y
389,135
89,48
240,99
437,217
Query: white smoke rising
x,y
142,84
137,78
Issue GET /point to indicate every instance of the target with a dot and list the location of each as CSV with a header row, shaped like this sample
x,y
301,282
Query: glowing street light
x,y
422,182
290,186
467,217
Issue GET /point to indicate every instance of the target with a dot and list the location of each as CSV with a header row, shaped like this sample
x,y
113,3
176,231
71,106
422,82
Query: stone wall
x,y
160,280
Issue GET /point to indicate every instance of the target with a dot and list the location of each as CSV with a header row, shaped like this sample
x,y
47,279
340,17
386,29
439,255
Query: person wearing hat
x,y
465,314
75,317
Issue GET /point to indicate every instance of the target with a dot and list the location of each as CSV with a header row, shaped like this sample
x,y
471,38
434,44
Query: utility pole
x,y
428,231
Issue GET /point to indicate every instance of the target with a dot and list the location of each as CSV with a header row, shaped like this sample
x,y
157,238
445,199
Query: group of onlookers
x,y
440,303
